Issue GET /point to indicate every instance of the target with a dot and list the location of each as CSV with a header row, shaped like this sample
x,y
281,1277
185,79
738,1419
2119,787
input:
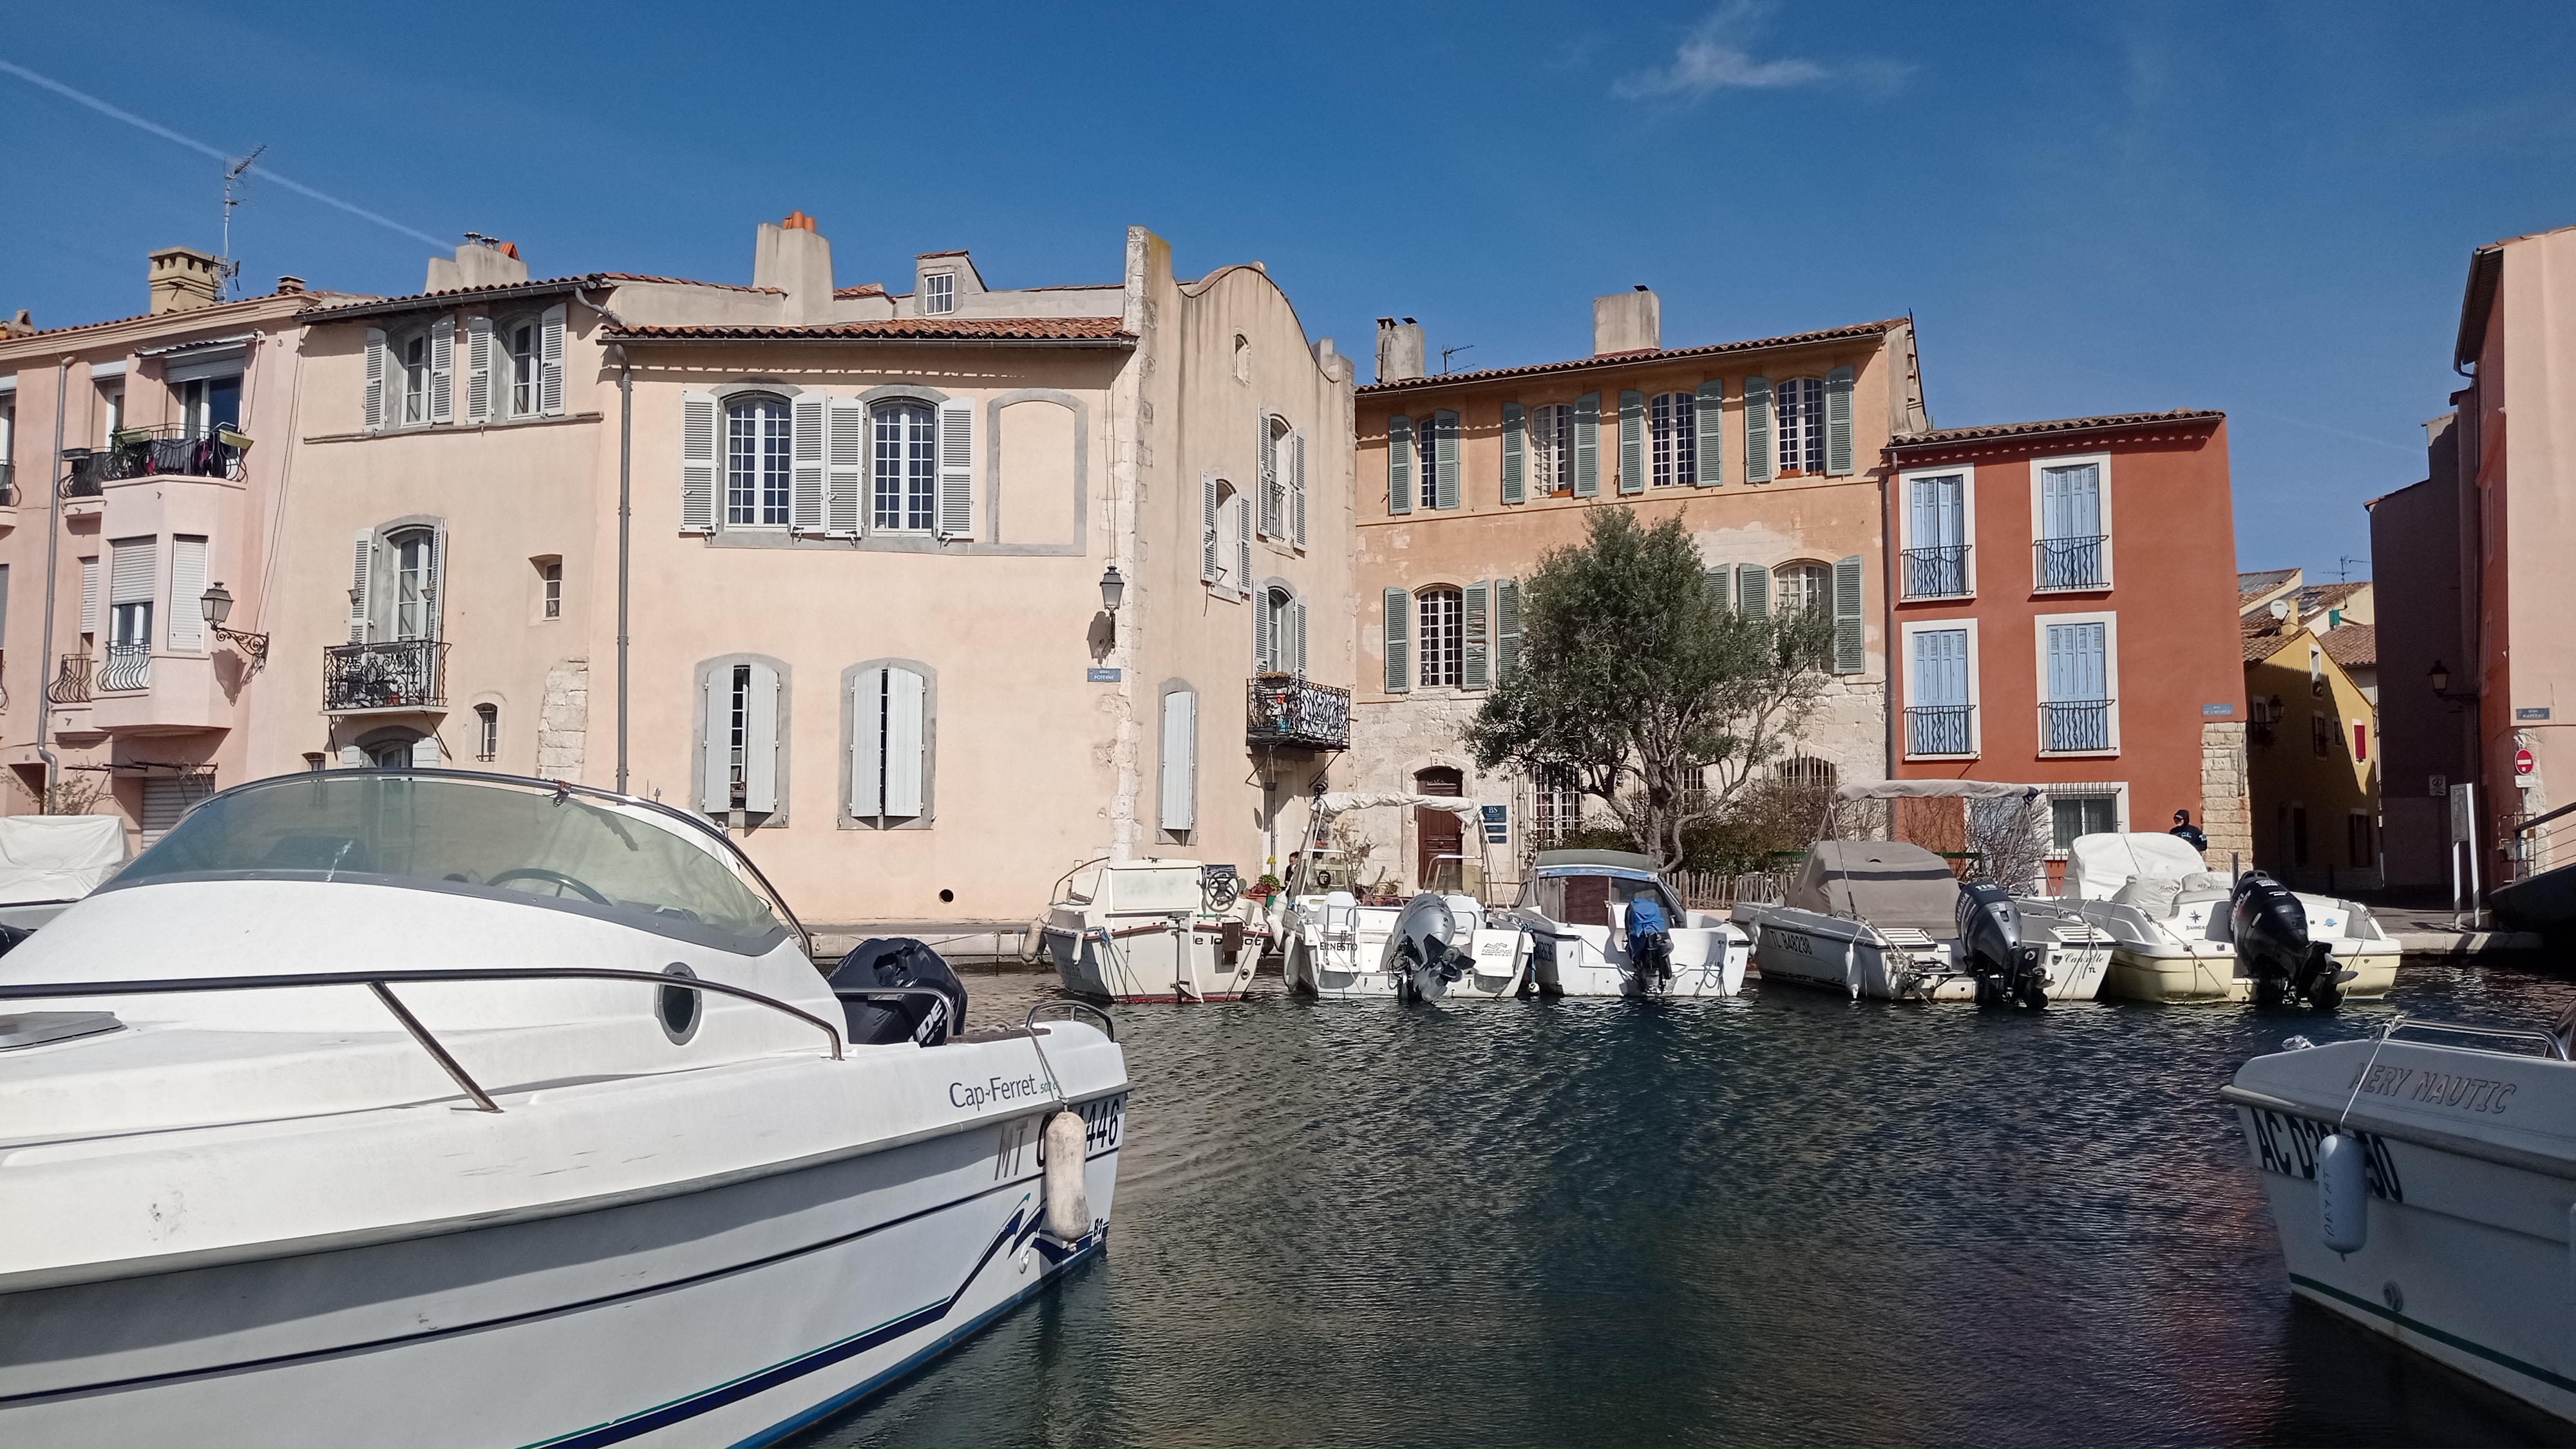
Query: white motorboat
x,y
1882,919
1151,930
2420,1184
49,861
1575,908
2172,932
424,1107
1339,950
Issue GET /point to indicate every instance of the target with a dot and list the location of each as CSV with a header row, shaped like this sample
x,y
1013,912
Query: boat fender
x,y
2343,1194
1068,1197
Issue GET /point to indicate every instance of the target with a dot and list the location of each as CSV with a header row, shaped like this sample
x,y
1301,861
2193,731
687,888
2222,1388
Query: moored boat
x,y
1883,919
1575,908
1151,930
49,861
2172,923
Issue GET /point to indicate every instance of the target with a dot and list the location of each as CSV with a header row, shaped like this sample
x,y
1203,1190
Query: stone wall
x,y
2226,809
563,721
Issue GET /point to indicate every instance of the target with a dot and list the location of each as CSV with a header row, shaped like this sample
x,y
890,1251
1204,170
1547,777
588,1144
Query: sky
x,y
2262,208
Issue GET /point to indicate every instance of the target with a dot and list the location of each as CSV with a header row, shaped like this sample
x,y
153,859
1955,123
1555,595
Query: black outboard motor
x,y
2271,931
898,961
1419,953
2009,970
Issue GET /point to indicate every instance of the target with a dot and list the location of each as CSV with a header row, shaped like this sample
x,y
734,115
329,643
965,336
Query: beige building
x,y
1768,450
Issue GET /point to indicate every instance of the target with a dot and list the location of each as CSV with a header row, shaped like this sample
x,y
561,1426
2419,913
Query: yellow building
x,y
2312,760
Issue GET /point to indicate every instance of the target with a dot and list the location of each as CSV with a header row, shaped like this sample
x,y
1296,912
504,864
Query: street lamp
x,y
1113,592
2439,676
217,602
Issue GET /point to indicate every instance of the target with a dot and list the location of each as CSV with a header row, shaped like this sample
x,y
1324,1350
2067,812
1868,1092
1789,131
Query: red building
x,y
2063,613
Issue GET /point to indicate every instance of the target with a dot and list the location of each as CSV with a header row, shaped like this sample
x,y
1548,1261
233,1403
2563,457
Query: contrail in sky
x,y
193,144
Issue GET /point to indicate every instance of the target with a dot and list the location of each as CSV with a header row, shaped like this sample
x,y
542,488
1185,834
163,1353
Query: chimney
x,y
483,261
183,279
1627,322
793,257
20,326
1399,349
290,286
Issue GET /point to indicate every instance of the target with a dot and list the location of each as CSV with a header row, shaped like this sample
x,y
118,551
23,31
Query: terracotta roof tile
x,y
174,316
1630,359
2262,644
2354,646
863,289
2326,596
688,282
2060,425
1002,329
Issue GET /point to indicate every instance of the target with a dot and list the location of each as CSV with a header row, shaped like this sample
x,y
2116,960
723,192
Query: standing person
x,y
2183,827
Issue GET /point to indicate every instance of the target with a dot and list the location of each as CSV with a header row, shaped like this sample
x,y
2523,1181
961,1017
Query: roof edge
x,y
1879,328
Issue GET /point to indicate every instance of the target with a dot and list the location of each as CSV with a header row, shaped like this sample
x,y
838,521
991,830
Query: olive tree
x,y
1636,682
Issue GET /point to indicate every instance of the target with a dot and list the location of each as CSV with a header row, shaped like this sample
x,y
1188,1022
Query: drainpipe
x,y
53,553
1890,571
625,518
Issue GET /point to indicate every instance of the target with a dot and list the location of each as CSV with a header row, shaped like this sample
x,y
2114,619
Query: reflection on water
x,y
1783,1219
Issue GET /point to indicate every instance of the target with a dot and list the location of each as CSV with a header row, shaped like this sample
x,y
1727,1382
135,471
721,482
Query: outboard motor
x,y
1419,953
2271,931
899,961
2009,970
1650,946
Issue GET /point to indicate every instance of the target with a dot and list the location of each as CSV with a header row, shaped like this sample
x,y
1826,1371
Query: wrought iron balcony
x,y
145,452
71,686
129,666
8,484
1282,709
2072,563
1937,573
1940,729
2083,724
405,674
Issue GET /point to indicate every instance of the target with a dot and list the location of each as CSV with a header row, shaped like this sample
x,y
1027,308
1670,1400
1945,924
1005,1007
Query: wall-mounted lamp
x,y
1113,592
2439,676
217,602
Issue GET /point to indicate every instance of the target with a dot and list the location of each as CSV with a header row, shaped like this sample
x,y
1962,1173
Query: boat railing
x,y
382,982
1071,1010
2546,1039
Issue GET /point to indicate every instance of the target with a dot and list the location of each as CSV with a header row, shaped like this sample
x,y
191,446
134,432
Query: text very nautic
x,y
994,1089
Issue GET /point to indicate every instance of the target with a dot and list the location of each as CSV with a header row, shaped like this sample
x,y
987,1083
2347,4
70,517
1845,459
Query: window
x,y
1938,712
1551,445
939,293
415,379
2359,852
1799,587
1798,418
111,404
209,403
1808,772
1278,642
2316,672
1443,631
1439,461
1936,536
521,344
550,588
131,576
907,466
2072,815
756,467
487,732
2076,712
415,584
890,744
1556,805
1242,359
742,737
1225,537
2321,733
2074,546
1676,439
1276,464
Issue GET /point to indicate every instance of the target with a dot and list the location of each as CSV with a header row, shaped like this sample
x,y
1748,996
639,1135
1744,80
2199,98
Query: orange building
x,y
2063,613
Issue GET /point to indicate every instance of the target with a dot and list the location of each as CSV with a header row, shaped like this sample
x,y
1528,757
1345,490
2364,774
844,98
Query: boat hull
x,y
1584,961
1144,964
2177,976
1808,948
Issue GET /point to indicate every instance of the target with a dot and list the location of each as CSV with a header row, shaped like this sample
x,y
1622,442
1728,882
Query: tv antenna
x,y
1446,352
226,269
2343,568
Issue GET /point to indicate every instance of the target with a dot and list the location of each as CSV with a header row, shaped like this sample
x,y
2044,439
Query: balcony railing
x,y
144,452
2083,724
1936,573
405,674
1282,709
2071,563
71,686
1940,729
129,666
8,484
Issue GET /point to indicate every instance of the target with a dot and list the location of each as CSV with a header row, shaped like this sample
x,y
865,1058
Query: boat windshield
x,y
1584,898
500,839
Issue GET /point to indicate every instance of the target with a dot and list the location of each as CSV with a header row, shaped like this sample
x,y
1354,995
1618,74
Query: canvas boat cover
x,y
1884,882
57,857
1614,859
2098,865
1934,790
1341,800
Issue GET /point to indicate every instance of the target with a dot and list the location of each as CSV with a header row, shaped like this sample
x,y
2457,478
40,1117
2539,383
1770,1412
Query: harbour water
x,y
1784,1218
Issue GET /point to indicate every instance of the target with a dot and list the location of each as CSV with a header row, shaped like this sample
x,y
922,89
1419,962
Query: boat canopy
x,y
1576,861
1888,883
1342,800
57,857
1935,790
2098,865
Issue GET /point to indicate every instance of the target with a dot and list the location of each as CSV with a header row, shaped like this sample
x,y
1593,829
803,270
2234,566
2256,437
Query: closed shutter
x,y
1444,454
377,365
550,361
1587,446
433,587
1753,590
1851,638
2071,502
168,797
1265,462
2075,663
1507,627
4,594
1296,618
760,741
956,470
425,753
1721,582
1757,430
715,740
1263,661
1399,641
845,460
89,597
1632,441
1242,549
697,462
1708,433
1476,670
1941,669
805,463
1180,760
478,370
1399,465
130,563
907,737
352,758
867,744
1838,421
1211,562
1939,509
1515,453
1297,485
442,370
187,592
362,575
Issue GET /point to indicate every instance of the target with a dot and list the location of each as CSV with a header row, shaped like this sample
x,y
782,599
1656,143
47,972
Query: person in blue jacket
x,y
1650,943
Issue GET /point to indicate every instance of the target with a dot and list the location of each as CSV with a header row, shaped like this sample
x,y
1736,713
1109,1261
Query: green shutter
x,y
1515,447
1399,641
1753,589
1474,671
1632,442
1587,446
1399,465
1507,626
1838,421
1757,430
1718,580
1708,422
1850,651
1443,452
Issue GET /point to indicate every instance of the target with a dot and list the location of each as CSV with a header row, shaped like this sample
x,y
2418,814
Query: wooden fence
x,y
1707,891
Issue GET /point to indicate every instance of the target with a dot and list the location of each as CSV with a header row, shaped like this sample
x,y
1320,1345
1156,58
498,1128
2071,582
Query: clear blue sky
x,y
2088,208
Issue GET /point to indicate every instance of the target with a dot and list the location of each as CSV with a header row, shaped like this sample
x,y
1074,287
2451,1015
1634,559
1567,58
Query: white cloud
x,y
1715,56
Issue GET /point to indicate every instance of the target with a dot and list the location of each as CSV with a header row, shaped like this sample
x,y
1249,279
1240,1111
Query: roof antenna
x,y
1444,356
227,271
2343,568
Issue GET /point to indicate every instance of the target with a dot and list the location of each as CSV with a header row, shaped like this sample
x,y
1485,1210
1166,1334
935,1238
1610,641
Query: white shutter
x,y
1297,486
906,733
845,466
715,741
442,370
1180,760
1261,650
1297,619
805,463
377,365
129,569
89,595
1210,566
433,580
867,744
1265,459
698,443
187,592
425,754
760,741
352,758
1242,549
478,370
362,561
956,470
550,361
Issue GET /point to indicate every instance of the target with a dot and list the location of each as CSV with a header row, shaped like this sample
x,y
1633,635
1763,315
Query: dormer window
x,y
939,294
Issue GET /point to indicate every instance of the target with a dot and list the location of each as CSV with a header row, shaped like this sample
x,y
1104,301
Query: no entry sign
x,y
2522,762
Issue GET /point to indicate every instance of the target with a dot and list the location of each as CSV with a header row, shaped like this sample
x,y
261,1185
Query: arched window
x,y
1442,613
414,555
1278,633
1242,359
756,439
1798,420
1800,586
907,465
1808,771
1676,440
